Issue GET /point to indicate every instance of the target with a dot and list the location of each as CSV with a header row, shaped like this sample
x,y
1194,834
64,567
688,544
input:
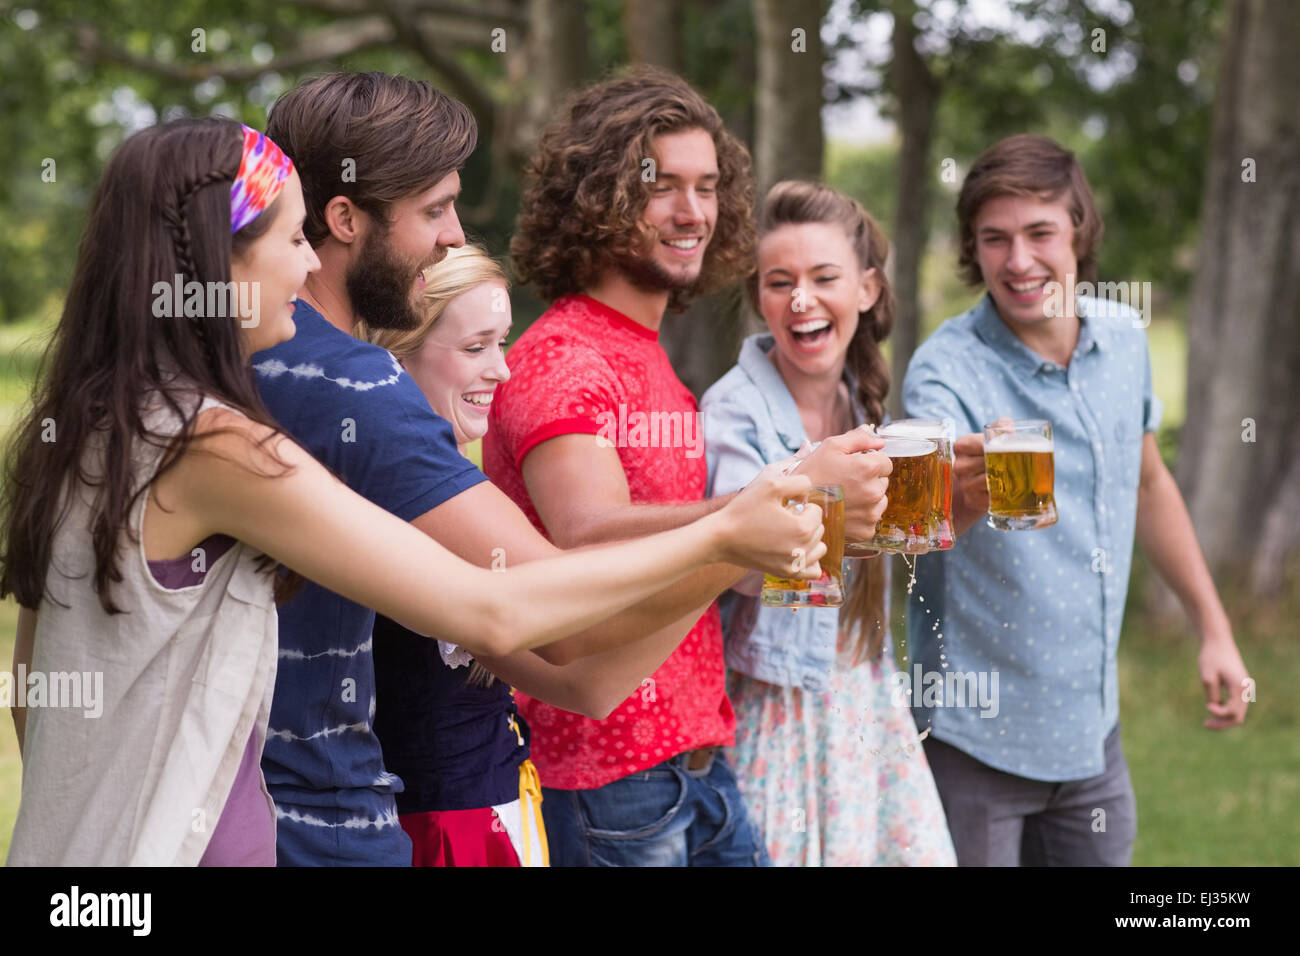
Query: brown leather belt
x,y
697,762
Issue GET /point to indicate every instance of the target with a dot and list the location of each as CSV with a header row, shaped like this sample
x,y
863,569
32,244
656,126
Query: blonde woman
x,y
449,728
456,355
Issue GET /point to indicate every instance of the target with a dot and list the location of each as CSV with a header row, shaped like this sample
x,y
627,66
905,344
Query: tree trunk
x,y
557,58
789,121
918,95
701,342
1240,463
653,31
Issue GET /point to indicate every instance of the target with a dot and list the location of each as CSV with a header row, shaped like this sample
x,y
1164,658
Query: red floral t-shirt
x,y
584,368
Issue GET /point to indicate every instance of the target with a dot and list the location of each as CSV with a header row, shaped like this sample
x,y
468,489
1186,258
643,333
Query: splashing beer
x,y
1019,463
828,590
908,522
942,433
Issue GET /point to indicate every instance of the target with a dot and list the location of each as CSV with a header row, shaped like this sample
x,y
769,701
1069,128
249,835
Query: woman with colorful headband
x,y
148,497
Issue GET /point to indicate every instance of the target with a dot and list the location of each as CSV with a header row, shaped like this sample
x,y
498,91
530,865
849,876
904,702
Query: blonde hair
x,y
460,271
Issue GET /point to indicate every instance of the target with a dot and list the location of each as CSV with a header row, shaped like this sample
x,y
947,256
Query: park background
x,y
1184,113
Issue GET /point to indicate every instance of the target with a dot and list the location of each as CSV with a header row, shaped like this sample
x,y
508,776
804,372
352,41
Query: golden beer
x,y
908,522
828,590
1020,468
941,433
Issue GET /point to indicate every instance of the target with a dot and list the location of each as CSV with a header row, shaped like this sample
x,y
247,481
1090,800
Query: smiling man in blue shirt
x,y
1041,778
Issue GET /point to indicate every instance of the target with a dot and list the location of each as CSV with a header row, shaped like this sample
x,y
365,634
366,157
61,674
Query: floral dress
x,y
838,777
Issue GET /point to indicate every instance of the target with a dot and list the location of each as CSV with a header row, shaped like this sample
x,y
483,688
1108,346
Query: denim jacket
x,y
750,420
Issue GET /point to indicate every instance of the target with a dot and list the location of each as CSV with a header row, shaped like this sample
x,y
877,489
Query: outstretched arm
x,y
1164,529
596,684
315,525
486,528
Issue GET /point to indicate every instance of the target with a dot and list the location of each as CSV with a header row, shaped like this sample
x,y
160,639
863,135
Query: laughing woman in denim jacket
x,y
826,749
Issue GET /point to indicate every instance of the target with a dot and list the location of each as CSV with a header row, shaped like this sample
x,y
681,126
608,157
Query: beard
x,y
379,285
649,276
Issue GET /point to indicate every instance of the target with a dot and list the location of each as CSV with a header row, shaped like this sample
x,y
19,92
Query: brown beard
x,y
379,284
649,276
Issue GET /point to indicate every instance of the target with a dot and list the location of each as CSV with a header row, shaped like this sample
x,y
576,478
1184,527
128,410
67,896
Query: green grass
x,y
1210,798
21,345
11,774
20,348
1204,797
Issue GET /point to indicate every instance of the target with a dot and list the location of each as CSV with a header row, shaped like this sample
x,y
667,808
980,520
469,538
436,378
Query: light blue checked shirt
x,y
1042,608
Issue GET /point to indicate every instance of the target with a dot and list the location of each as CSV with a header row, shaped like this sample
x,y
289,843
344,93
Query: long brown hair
x,y
793,203
584,191
162,208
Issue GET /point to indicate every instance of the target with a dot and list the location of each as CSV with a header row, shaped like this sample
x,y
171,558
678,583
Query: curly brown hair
x,y
584,194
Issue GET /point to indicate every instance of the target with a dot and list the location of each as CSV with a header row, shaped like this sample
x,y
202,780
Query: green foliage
x,y
61,103
1133,101
1138,124
867,174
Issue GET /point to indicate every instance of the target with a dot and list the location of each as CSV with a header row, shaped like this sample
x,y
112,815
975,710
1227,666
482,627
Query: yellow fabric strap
x,y
530,804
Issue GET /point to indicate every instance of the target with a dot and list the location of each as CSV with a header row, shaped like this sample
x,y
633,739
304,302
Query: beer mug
x,y
907,526
828,590
1018,460
943,433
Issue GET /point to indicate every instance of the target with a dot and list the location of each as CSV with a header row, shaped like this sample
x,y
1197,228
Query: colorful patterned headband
x,y
262,171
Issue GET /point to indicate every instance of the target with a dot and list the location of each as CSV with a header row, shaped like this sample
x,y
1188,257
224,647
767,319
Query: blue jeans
x,y
664,816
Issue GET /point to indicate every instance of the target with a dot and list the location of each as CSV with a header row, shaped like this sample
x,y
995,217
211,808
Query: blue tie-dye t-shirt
x,y
361,415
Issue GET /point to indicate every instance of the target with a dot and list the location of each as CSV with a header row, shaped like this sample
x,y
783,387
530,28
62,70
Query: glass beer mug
x,y
1020,468
907,526
828,590
943,433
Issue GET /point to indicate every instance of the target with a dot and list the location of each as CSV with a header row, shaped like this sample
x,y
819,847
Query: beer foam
x,y
901,430
908,447
1012,442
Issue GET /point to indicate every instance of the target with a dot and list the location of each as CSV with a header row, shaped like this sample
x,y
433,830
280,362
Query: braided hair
x,y
175,218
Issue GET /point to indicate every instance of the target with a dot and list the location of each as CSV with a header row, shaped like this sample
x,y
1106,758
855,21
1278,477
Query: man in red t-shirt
x,y
636,199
